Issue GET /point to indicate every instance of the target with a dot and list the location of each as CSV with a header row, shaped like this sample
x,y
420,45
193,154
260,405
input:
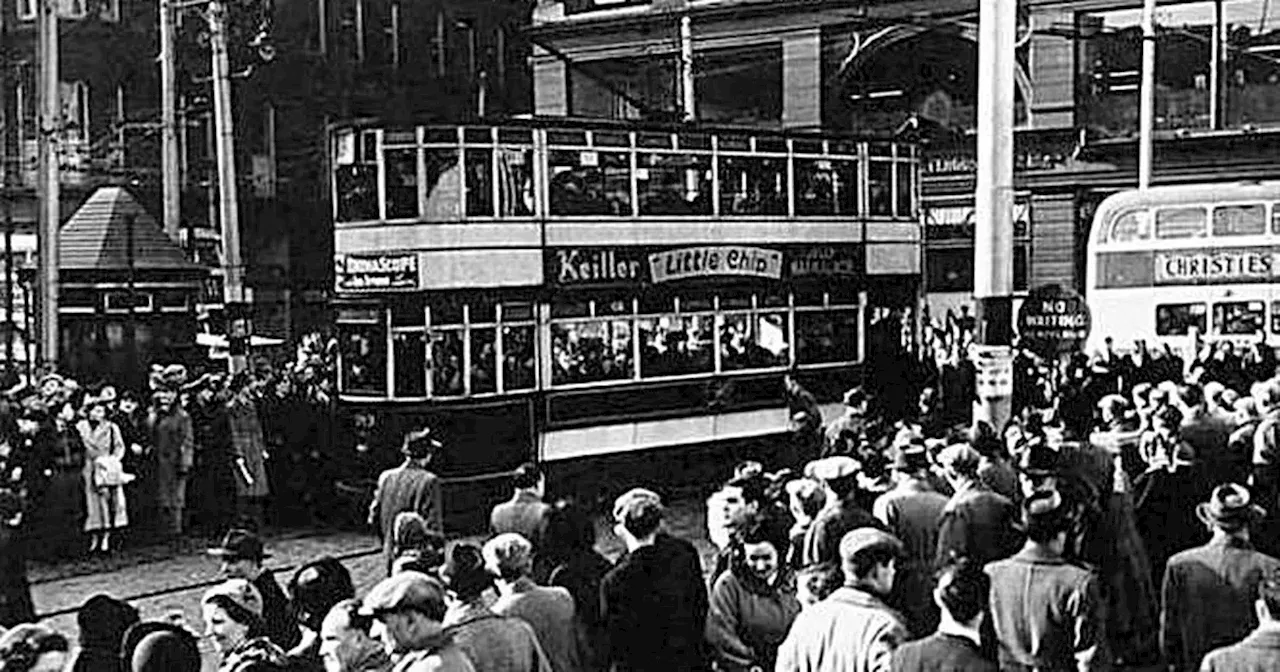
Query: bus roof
x,y
1182,194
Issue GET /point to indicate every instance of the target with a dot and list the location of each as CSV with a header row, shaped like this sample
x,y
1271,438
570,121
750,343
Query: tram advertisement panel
x,y
636,266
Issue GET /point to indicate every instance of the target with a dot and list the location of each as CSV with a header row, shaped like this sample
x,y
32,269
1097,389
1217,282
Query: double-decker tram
x,y
568,290
1169,261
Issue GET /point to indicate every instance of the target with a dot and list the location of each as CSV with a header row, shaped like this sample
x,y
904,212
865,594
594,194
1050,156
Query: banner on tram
x,y
376,272
604,266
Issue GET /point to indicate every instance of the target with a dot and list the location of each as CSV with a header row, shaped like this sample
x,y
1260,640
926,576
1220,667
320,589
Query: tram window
x,y
1239,317
518,357
753,185
754,341
906,189
364,358
411,364
484,360
826,187
402,183
479,182
1240,220
408,312
676,345
444,185
515,182
514,312
357,186
591,351
880,188
446,363
824,337
1177,319
1129,227
1275,317
1180,223
674,184
589,182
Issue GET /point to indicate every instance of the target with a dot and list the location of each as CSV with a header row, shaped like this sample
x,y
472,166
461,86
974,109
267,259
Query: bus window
x,y
1275,317
1180,223
1239,220
1129,227
1177,319
1238,318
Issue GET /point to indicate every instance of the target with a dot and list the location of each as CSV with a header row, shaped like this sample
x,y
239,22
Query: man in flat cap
x,y
409,487
846,433
1046,612
1201,596
408,609
853,629
841,514
242,555
976,523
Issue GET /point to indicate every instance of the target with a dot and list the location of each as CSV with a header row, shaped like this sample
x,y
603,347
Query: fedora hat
x,y
1039,460
240,545
1044,508
420,443
1230,507
911,457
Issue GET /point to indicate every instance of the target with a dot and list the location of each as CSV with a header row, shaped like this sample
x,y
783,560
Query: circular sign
x,y
1054,319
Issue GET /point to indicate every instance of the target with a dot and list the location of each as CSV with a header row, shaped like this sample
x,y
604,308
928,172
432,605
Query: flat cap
x,y
406,590
867,538
961,457
832,468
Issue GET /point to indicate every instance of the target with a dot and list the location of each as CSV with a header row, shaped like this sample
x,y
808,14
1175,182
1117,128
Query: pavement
x,y
164,587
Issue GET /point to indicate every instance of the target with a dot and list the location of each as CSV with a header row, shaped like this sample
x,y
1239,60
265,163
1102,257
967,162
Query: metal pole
x,y
1147,106
170,166
1215,68
993,202
688,111
49,187
131,324
228,201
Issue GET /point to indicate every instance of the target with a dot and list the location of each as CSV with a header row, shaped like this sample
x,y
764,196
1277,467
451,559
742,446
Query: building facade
x,y
911,68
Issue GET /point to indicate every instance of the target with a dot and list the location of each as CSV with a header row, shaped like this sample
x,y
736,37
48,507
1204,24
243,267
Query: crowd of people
x,y
1126,517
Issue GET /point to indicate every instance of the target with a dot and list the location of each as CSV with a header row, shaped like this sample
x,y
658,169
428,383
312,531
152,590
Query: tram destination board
x,y
1054,319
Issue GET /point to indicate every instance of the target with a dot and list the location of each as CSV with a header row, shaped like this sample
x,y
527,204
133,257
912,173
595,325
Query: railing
x,y
464,173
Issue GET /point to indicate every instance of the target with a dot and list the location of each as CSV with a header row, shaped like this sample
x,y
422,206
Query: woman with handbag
x,y
104,476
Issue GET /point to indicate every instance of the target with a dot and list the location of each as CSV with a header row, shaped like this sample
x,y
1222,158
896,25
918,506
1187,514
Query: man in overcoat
x,y
248,452
408,487
173,436
1209,592
1260,651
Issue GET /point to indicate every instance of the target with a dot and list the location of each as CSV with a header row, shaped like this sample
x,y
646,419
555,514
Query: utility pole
x,y
1147,105
49,188
993,210
170,160
228,201
11,115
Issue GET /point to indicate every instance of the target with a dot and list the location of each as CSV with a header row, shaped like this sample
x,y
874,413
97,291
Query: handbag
x,y
108,472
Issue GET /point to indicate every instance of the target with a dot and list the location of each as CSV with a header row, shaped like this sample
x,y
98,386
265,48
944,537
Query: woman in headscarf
x,y
754,603
104,476
159,647
233,620
103,621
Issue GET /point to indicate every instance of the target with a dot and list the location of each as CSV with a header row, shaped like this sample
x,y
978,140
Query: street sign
x,y
1054,319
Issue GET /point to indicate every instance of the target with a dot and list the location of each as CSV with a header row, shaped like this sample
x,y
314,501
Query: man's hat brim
x,y
1243,516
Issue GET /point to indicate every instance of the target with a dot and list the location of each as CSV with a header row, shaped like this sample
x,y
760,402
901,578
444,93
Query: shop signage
x,y
699,262
574,266
825,260
380,272
1054,318
1192,267
956,222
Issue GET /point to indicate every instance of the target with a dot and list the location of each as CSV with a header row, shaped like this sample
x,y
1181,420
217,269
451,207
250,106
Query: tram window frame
x,y
1198,311
407,203
741,201
1167,218
441,201
376,325
355,176
873,205
827,306
846,203
1256,307
651,163
1230,226
603,167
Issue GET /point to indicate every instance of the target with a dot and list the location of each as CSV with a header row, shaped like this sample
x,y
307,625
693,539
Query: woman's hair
x,y
103,621
809,493
22,646
411,533
865,562
237,613
316,587
762,529
963,588
569,530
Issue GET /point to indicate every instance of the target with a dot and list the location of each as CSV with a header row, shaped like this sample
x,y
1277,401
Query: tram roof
x,y
591,123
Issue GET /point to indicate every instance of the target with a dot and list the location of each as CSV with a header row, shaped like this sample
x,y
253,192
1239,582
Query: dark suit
x,y
940,653
977,524
282,627
524,514
405,488
1259,652
822,543
1207,600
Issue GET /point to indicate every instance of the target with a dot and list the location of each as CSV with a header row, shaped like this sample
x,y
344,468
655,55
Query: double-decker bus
x,y
567,290
1171,261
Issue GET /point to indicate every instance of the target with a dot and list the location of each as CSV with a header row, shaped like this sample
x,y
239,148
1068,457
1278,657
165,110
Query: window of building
x,y
623,88
1239,318
1240,220
28,9
74,97
1177,319
739,85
